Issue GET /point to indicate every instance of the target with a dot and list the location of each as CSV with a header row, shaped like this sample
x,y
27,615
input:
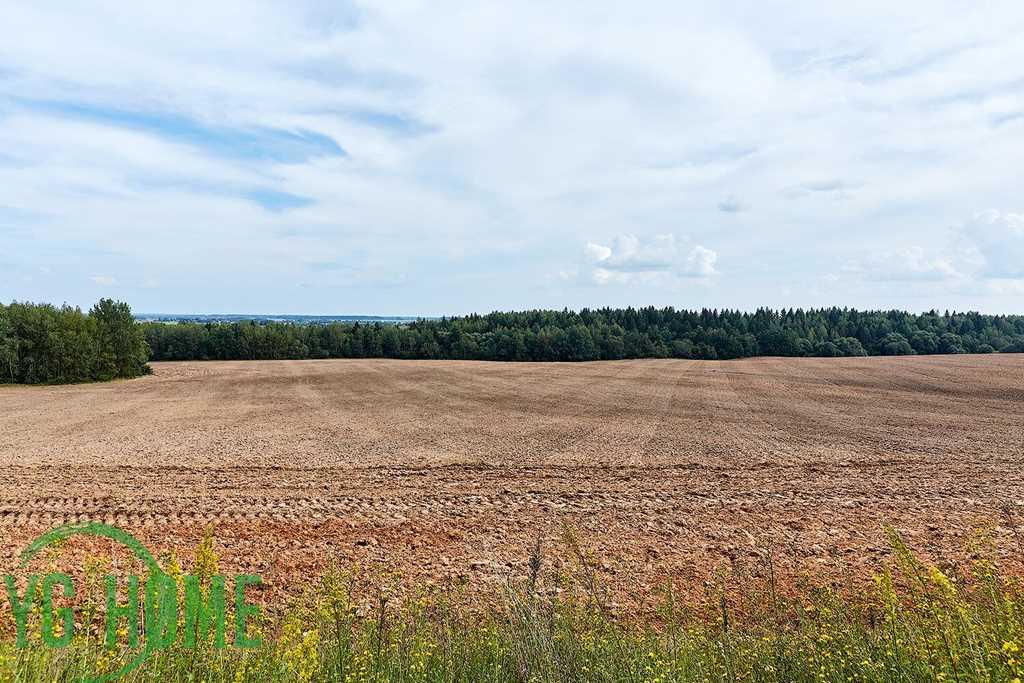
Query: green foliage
x,y
1016,346
123,349
895,344
603,334
951,343
924,342
850,346
8,348
43,344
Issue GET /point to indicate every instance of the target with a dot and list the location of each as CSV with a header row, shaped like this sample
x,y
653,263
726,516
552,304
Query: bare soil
x,y
665,468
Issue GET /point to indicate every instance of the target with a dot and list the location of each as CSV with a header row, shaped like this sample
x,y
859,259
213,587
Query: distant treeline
x,y
603,334
43,344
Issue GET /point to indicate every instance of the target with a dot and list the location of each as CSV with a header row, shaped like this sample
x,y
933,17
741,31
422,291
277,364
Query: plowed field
x,y
452,469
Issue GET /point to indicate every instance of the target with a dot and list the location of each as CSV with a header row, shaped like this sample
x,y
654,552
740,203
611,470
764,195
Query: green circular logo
x,y
98,529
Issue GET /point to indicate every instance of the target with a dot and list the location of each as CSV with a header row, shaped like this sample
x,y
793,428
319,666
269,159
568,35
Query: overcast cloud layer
x,y
433,158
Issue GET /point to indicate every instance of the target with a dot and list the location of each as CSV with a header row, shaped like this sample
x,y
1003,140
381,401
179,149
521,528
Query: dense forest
x,y
603,334
43,344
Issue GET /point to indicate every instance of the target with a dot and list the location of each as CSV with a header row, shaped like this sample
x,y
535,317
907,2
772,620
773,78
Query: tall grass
x,y
912,622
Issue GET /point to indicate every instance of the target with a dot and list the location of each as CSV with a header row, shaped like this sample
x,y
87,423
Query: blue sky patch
x,y
397,124
271,200
248,143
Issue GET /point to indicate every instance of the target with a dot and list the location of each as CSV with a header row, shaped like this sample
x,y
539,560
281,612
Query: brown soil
x,y
452,469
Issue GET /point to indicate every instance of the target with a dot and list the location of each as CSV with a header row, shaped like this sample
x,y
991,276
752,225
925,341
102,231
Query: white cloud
x,y
984,254
998,239
908,264
596,252
1001,287
660,260
731,205
833,189
568,275
701,262
104,280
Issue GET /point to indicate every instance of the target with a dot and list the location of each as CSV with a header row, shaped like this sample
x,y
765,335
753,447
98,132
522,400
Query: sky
x,y
433,158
